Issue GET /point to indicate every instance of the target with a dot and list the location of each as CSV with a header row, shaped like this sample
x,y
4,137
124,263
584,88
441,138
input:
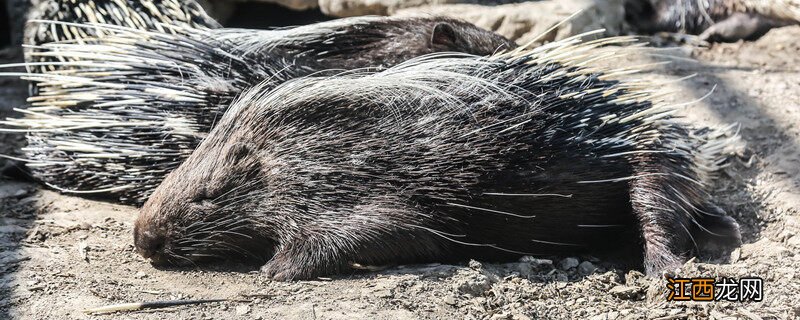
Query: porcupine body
x,y
115,113
438,159
713,20
136,14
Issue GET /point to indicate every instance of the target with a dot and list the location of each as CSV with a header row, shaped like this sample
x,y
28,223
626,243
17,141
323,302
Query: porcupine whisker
x,y
601,225
234,189
203,255
444,236
211,243
235,201
172,255
194,242
491,210
210,225
529,194
624,178
228,232
691,237
557,243
232,247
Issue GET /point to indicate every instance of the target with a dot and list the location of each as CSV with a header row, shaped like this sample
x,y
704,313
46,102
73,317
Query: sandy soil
x,y
60,255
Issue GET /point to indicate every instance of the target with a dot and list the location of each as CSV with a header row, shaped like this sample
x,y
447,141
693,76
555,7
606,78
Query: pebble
x,y
474,286
449,300
586,268
385,293
500,316
536,261
140,275
242,310
83,250
794,241
475,265
519,316
626,292
568,263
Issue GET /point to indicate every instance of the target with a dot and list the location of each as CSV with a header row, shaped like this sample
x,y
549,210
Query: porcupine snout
x,y
150,243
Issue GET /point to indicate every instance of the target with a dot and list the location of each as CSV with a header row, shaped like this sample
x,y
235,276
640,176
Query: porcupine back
x,y
130,105
440,158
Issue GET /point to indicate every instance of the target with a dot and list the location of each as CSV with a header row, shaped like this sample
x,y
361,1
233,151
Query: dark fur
x,y
315,177
215,66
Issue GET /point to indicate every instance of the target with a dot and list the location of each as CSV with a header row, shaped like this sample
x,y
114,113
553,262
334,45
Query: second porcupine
x,y
713,20
139,101
441,159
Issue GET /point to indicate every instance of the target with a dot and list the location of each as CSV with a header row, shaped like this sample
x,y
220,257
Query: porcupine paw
x,y
283,268
715,232
739,26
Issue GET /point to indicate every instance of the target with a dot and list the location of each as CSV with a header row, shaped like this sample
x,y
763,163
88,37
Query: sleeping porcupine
x,y
124,109
440,158
713,20
141,14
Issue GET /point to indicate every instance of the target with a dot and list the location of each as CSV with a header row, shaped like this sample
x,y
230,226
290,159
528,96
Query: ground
x,y
61,254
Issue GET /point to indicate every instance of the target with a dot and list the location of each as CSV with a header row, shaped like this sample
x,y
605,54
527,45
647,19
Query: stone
x,y
586,268
350,8
527,22
568,263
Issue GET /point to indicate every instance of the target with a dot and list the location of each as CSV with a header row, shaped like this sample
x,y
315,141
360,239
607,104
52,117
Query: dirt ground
x,y
60,254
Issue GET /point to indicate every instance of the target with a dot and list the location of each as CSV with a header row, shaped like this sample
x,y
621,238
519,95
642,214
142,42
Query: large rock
x,y
350,8
528,21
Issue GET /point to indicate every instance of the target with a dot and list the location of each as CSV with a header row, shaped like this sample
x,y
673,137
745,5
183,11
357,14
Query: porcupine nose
x,y
149,243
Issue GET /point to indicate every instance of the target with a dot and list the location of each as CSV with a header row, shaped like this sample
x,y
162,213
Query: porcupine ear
x,y
443,34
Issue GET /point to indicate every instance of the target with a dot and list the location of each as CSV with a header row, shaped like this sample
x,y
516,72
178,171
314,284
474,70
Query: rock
x,y
633,277
568,263
14,190
500,316
475,285
350,8
586,268
519,316
763,248
794,241
627,292
475,265
83,251
735,255
525,269
451,300
527,21
140,275
242,310
384,293
535,261
291,4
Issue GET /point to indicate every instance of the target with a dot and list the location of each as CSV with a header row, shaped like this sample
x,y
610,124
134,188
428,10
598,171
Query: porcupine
x,y
139,101
139,14
443,158
713,20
